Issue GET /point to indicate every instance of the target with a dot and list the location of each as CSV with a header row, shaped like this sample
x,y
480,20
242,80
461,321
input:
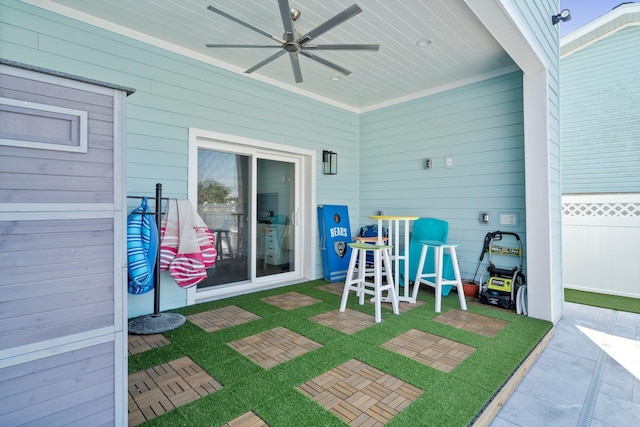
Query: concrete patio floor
x,y
588,375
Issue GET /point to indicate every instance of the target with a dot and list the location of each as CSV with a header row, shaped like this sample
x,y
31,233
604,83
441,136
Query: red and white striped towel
x,y
187,246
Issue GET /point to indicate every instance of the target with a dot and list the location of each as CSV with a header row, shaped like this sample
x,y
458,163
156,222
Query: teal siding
x,y
481,127
600,115
174,93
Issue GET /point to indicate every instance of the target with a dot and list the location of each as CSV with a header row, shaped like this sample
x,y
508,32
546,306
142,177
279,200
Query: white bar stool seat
x,y
381,261
437,279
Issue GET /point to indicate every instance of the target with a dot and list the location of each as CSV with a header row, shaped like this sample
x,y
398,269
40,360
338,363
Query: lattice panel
x,y
601,209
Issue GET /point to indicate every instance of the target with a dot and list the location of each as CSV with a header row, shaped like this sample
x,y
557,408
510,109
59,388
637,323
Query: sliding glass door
x,y
249,199
275,219
224,203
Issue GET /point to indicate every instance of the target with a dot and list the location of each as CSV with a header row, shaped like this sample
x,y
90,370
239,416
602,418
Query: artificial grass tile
x,y
153,357
613,302
227,370
295,409
215,409
307,366
350,344
401,367
313,331
174,418
448,402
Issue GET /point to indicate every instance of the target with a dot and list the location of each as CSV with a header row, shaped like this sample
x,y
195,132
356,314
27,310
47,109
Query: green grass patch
x,y
449,399
613,302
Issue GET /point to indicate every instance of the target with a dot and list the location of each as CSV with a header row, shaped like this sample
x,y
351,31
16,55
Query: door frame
x,y
308,220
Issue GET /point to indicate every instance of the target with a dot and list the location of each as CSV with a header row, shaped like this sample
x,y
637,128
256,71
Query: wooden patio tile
x,y
290,300
431,350
249,419
360,395
161,388
140,343
349,322
472,322
221,318
270,348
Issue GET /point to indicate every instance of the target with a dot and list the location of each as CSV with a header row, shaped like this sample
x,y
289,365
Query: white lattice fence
x,y
601,243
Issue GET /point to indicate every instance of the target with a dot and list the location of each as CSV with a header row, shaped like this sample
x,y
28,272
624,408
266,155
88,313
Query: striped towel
x,y
187,245
142,248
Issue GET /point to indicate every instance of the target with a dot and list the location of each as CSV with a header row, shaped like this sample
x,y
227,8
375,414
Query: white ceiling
x,y
462,50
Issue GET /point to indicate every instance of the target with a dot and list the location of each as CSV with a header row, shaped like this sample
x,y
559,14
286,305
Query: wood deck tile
x,y
270,348
140,343
221,318
249,419
291,300
361,395
159,389
431,350
349,322
472,322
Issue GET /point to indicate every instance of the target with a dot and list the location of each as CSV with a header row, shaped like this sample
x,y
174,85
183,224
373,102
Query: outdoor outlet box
x,y
508,219
380,213
484,217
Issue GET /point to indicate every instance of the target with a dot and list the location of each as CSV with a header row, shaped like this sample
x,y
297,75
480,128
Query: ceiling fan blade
x,y
266,61
329,24
327,63
295,65
372,47
245,24
285,13
244,45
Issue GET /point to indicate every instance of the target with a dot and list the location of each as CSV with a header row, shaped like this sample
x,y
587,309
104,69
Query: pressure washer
x,y
502,284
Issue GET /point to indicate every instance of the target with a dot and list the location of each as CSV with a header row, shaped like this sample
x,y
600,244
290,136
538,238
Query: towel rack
x,y
157,322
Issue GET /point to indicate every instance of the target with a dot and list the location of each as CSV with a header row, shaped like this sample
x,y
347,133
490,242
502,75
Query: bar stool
x,y
381,260
219,232
438,280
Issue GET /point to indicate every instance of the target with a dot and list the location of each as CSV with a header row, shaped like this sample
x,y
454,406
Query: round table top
x,y
394,217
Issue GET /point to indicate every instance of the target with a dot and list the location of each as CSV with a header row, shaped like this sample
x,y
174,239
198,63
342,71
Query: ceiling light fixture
x,y
335,78
423,42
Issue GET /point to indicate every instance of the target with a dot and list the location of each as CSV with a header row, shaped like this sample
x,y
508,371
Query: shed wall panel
x,y
45,254
69,177
59,390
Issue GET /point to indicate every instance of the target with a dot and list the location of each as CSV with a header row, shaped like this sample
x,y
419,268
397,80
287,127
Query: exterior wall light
x,y
564,15
329,162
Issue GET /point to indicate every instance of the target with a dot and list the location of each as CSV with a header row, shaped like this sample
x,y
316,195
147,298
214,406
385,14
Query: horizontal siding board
x,y
98,412
27,89
43,304
26,386
58,255
27,196
26,166
59,271
55,324
52,287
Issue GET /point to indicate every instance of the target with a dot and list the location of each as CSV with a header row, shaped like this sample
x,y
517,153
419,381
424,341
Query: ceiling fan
x,y
293,43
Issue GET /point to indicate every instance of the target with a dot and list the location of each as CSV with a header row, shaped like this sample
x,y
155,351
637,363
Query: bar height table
x,y
393,225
